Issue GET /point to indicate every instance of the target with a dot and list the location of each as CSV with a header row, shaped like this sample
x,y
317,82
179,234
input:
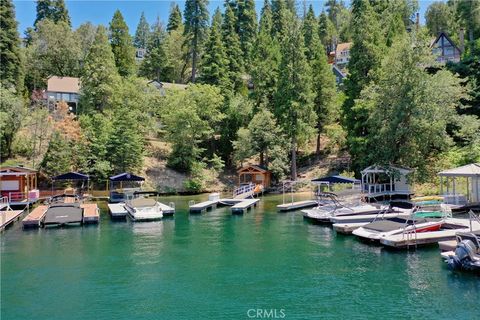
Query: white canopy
x,y
470,170
381,169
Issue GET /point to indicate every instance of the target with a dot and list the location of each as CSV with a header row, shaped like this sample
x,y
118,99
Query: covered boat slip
x,y
461,187
385,183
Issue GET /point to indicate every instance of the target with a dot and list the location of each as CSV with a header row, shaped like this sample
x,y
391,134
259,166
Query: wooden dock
x,y
203,206
9,216
244,205
91,213
347,228
117,210
297,205
34,218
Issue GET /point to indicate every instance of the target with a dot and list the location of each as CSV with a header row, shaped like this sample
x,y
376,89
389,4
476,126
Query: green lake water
x,y
219,266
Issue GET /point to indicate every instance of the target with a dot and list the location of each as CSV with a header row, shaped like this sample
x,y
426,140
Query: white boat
x,y
144,209
404,231
323,214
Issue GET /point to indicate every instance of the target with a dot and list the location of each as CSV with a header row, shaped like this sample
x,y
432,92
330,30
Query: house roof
x,y
178,86
16,169
343,46
63,84
254,167
384,169
336,179
469,170
71,176
446,37
126,176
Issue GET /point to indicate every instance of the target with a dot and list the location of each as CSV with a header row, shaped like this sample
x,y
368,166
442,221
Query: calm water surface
x,y
218,266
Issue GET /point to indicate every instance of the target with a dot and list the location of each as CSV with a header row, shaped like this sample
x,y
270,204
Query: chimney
x,y
461,37
417,20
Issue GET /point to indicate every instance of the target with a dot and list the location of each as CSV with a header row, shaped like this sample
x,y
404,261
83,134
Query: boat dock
x,y
7,217
91,213
244,205
238,205
297,205
347,228
203,206
34,218
166,210
117,210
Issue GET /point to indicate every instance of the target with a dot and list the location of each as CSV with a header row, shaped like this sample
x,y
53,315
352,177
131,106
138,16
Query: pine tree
x,y
54,10
154,66
11,72
365,58
326,32
142,33
247,25
60,12
310,33
175,18
196,26
294,96
266,56
215,63
45,10
279,11
99,74
122,46
231,41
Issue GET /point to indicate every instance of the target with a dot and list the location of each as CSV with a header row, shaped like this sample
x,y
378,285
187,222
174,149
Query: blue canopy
x,y
126,177
336,179
71,176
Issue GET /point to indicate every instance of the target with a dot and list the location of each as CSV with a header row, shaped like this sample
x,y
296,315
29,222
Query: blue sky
x,y
101,11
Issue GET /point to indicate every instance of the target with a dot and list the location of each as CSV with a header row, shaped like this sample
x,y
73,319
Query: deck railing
x,y
248,188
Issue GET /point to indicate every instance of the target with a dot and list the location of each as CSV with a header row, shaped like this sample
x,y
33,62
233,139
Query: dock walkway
x,y
117,210
297,205
166,210
246,204
8,217
91,213
203,206
34,218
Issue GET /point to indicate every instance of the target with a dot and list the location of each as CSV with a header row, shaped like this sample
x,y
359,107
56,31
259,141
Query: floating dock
x,y
347,228
244,205
238,205
34,218
117,210
297,205
203,206
91,213
7,217
166,210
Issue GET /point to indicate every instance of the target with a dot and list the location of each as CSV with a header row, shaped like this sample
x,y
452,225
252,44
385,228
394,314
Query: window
x,y
59,96
66,96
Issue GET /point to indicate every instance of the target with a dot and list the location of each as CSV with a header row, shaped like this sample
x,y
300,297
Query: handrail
x,y
244,189
473,216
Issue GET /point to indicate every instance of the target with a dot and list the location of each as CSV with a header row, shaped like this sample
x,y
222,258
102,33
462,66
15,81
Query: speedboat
x,y
399,225
144,209
324,214
467,253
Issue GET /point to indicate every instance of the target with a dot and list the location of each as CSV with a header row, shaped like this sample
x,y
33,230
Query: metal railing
x,y
249,188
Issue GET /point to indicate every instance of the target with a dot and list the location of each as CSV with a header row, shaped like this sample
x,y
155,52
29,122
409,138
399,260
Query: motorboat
x,y
144,209
324,214
380,229
467,253
63,210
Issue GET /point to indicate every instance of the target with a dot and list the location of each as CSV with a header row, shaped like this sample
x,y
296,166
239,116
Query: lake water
x,y
219,266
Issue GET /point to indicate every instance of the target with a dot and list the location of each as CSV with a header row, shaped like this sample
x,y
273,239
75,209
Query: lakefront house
x,y
63,89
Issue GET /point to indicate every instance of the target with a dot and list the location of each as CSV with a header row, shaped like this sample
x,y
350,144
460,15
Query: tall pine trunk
x,y
194,56
293,170
317,151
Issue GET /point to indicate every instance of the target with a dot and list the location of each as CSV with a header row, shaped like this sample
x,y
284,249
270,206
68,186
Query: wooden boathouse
x,y
19,185
258,175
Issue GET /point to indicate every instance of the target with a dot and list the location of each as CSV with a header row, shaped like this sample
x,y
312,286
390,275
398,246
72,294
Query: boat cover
x,y
60,214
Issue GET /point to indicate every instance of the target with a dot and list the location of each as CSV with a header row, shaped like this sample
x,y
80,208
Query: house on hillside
x,y
63,89
140,54
342,54
445,49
